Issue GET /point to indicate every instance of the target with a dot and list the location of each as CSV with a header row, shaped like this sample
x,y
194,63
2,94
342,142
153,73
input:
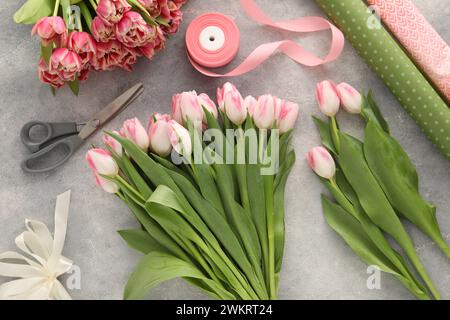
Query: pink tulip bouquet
x,y
374,184
79,36
207,186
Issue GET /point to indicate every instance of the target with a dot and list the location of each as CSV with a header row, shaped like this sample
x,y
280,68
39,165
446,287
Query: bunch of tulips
x,y
374,184
100,35
211,208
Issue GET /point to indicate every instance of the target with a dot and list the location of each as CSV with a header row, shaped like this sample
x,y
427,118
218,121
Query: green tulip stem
x,y
335,133
55,11
93,4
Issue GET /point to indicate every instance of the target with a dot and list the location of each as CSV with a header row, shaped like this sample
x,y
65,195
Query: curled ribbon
x,y
39,271
288,47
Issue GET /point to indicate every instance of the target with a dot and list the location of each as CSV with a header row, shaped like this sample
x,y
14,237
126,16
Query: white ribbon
x,y
38,272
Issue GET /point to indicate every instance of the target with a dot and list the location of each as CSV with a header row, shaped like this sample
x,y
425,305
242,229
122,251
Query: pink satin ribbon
x,y
427,49
288,47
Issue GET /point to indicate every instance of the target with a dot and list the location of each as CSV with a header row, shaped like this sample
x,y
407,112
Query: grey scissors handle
x,y
71,143
52,131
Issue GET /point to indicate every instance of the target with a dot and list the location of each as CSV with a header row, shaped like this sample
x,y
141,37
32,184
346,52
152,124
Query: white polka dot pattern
x,y
393,66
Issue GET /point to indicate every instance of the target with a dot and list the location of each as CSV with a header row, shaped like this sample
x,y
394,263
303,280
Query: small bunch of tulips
x,y
78,36
207,185
374,184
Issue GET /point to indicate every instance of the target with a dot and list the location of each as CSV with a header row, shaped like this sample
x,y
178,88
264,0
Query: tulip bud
x,y
159,135
264,112
231,102
101,161
205,101
102,31
133,130
328,98
107,185
51,30
180,139
250,104
65,63
115,146
112,11
287,115
190,108
351,99
321,161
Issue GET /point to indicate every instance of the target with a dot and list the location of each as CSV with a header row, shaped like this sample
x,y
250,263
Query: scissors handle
x,y
32,163
52,131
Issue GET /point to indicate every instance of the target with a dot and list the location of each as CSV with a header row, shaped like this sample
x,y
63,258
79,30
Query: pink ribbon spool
x,y
212,40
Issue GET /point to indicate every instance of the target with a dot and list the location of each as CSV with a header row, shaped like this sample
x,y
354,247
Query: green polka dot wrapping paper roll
x,y
387,59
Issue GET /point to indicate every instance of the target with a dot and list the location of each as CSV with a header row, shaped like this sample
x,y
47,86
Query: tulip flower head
x,y
264,112
102,162
351,99
107,185
65,63
321,162
48,77
327,98
112,11
109,55
231,102
133,130
133,31
159,135
102,31
205,102
287,115
115,146
180,139
51,30
250,104
84,45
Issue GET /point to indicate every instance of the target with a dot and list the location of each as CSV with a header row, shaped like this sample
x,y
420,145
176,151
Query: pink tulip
x,y
107,185
65,63
186,106
287,115
102,31
133,31
159,135
180,139
102,162
134,131
250,103
264,112
351,99
109,55
154,45
51,30
112,11
327,97
172,13
115,146
48,77
83,44
205,101
129,58
152,6
321,161
230,100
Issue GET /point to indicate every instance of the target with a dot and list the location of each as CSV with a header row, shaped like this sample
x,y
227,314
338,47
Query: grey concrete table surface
x,y
317,264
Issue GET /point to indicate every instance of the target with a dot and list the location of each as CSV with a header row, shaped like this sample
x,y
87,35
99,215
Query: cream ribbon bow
x,y
38,276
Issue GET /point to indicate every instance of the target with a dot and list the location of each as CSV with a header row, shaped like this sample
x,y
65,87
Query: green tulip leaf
x,y
371,112
397,176
141,241
157,267
33,10
325,134
374,201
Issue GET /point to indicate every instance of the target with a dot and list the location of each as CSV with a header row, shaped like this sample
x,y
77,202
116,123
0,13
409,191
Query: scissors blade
x,y
111,110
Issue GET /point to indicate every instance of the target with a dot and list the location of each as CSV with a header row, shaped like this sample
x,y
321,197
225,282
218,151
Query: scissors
x,y
68,136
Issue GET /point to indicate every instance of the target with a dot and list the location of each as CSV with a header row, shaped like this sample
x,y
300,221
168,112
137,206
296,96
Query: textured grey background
x,y
317,265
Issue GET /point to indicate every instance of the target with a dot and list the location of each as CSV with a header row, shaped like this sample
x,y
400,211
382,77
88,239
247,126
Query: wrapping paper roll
x,y
392,65
424,45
